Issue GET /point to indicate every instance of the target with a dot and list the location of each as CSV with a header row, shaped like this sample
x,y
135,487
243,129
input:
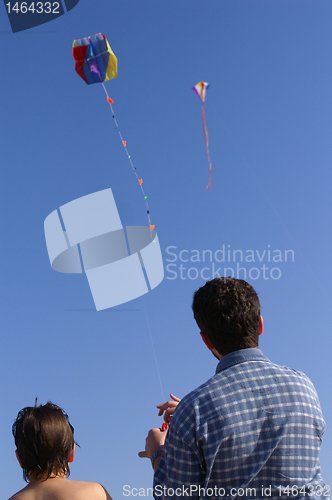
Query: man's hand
x,y
168,408
154,441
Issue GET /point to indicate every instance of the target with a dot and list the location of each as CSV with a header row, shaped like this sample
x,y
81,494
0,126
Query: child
x,y
45,447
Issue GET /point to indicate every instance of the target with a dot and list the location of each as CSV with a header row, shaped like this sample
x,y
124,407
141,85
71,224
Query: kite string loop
x,y
132,165
94,56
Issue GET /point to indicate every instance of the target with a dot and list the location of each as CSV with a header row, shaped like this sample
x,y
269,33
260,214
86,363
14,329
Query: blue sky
x,y
269,112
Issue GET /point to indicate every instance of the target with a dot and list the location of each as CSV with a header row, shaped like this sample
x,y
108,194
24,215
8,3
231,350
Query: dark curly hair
x,y
228,310
44,440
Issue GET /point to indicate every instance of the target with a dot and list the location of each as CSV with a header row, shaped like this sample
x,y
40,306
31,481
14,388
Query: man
x,y
254,429
45,445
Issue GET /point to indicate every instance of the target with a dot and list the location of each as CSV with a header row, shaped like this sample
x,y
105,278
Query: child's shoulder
x,y
90,490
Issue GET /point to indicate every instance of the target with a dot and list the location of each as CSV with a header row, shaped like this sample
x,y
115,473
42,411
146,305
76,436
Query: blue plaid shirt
x,y
253,430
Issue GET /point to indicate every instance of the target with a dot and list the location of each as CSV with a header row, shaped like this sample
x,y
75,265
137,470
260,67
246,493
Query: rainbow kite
x,y
200,89
95,62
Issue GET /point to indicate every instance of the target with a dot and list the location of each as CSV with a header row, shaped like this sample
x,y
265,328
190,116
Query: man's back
x,y
62,489
254,424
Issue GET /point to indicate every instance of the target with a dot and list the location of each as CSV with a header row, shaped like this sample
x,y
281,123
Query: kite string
x,y
124,143
207,148
162,390
134,169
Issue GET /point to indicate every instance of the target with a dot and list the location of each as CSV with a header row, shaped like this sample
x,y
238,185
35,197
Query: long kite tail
x,y
207,148
134,169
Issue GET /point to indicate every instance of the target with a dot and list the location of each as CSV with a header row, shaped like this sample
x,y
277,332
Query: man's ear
x,y
71,457
210,346
261,325
18,458
206,341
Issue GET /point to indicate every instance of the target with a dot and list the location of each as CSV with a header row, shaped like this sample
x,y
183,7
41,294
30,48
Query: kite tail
x,y
207,148
134,169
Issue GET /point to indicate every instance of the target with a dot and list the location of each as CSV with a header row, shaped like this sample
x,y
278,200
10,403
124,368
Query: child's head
x,y
44,441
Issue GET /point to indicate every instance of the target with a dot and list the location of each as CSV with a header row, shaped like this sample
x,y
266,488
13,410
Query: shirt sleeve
x,y
180,473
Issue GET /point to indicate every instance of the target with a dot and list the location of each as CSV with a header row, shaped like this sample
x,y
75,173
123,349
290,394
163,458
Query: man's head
x,y
44,440
227,310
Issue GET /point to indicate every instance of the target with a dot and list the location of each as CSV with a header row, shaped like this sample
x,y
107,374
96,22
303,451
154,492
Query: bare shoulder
x,y
101,492
76,490
94,491
20,495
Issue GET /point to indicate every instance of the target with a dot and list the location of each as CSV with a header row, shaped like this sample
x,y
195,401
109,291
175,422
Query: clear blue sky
x,y
269,112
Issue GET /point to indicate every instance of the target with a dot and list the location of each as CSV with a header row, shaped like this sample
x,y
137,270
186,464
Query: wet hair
x,y
44,440
228,310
